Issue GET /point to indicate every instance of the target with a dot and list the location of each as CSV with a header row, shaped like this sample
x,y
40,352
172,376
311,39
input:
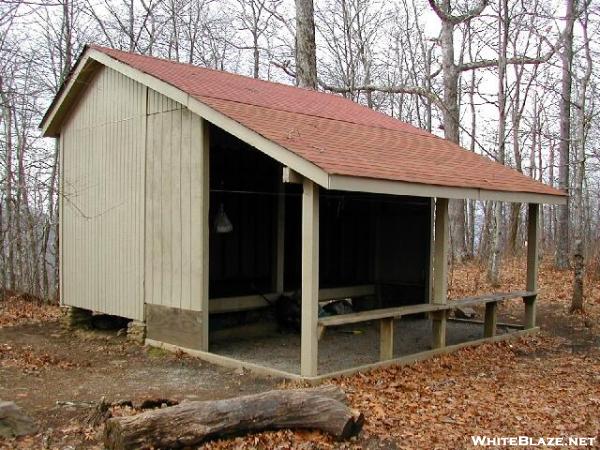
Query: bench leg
x,y
491,319
386,339
438,321
529,311
320,332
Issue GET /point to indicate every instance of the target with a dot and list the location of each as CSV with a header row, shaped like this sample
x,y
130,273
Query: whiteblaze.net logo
x,y
527,441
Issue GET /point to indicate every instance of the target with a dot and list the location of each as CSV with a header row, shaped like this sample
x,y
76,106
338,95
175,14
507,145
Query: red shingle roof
x,y
337,135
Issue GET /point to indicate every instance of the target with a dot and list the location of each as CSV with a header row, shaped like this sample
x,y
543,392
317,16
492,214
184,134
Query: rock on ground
x,y
14,421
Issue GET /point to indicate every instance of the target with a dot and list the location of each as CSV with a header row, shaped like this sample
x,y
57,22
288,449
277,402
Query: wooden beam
x,y
532,264
487,298
379,186
310,280
440,271
386,339
291,176
429,292
205,227
380,313
516,326
280,241
255,301
491,319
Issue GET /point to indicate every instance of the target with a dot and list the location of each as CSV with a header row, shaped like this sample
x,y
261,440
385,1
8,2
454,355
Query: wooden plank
x,y
382,313
396,312
310,279
516,326
255,301
532,265
280,242
187,147
176,204
430,278
346,292
440,270
205,227
491,319
176,326
386,339
487,298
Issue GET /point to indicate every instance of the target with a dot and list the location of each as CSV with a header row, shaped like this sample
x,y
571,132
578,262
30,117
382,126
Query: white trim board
x,y
348,183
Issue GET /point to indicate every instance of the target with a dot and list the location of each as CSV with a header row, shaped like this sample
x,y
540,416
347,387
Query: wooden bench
x,y
386,316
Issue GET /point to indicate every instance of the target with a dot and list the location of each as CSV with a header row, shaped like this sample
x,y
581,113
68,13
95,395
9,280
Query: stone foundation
x,y
74,318
136,332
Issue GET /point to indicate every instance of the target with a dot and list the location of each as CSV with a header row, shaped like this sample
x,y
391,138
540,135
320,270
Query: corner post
x,y
310,279
440,271
205,227
532,264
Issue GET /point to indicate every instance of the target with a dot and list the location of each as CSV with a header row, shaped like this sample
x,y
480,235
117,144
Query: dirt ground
x,y
546,385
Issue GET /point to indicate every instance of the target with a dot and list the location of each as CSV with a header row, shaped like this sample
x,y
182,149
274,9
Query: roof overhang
x,y
346,183
91,60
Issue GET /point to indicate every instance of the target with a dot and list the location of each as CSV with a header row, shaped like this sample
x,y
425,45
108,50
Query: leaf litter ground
x,y
546,385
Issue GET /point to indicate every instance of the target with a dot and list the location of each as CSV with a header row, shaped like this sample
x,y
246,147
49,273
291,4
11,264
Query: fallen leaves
x,y
18,309
545,385
29,360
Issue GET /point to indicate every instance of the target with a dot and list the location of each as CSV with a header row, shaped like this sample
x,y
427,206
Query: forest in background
x,y
515,81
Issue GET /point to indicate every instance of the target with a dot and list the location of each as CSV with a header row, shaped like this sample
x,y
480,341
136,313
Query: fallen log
x,y
191,423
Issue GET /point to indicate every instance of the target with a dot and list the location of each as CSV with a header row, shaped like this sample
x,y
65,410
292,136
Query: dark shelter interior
x,y
374,240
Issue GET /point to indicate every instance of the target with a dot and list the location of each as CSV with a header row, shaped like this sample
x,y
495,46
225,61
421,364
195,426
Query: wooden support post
x,y
310,279
386,338
532,265
491,319
280,241
205,227
440,271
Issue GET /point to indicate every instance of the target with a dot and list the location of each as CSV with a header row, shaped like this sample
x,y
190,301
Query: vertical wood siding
x,y
102,217
174,215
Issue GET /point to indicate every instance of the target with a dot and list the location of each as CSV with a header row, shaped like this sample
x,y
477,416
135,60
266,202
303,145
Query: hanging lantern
x,y
222,223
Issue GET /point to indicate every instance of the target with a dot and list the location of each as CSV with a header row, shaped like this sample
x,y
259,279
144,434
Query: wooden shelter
x,y
188,192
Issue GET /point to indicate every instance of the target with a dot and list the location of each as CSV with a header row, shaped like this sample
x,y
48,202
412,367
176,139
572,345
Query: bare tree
x,y
306,49
562,232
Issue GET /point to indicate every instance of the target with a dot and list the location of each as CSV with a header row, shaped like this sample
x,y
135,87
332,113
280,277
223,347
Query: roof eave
x,y
83,70
352,183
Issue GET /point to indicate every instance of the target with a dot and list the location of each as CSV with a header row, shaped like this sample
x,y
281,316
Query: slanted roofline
x,y
91,60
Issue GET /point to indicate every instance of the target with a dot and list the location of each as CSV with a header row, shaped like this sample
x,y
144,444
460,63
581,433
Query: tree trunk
x,y
191,423
581,127
562,232
306,53
493,274
450,113
578,272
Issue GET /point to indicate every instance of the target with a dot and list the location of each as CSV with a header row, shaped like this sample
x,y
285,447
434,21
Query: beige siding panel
x,y
102,220
174,214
